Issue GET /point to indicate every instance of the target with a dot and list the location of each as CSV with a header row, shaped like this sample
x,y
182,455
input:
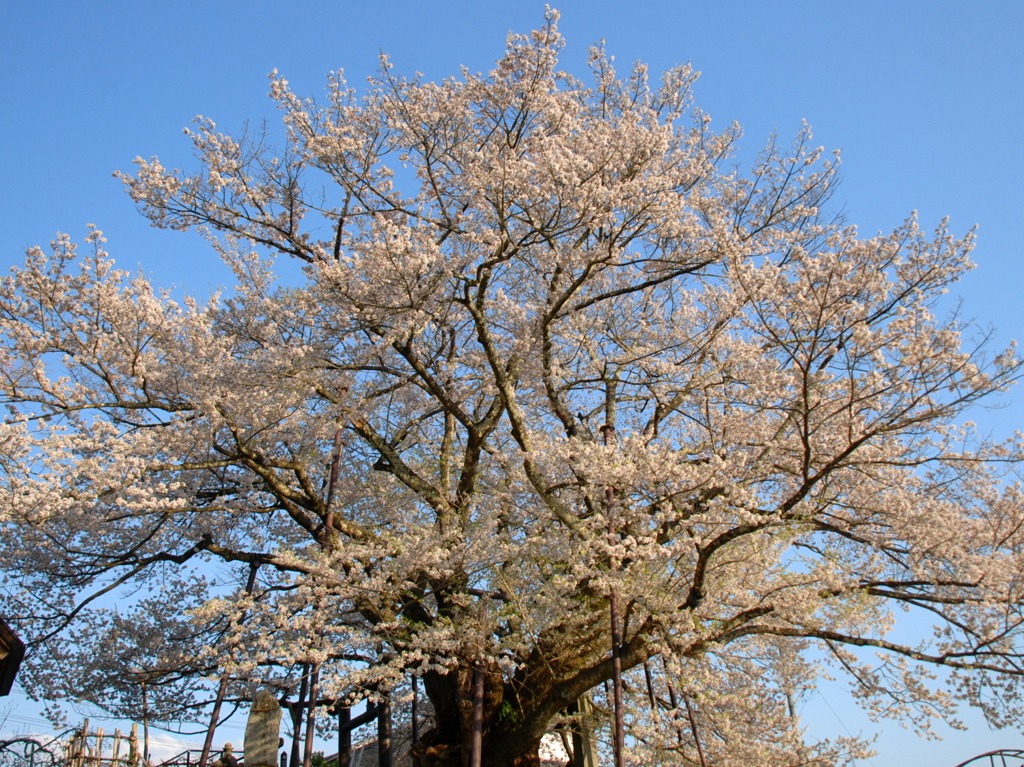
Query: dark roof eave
x,y
12,661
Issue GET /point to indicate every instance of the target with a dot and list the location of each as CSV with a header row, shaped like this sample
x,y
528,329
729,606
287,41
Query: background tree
x,y
546,347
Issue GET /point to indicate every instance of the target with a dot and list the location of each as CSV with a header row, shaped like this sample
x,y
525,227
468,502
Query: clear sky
x,y
924,97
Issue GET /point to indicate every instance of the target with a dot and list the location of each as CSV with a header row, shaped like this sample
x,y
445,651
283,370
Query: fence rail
x,y
191,757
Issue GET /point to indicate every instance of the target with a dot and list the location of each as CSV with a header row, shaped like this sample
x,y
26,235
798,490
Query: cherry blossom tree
x,y
551,359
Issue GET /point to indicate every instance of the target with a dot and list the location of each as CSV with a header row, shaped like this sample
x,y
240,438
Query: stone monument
x,y
262,731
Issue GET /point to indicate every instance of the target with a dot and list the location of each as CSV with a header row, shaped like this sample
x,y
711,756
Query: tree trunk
x,y
449,743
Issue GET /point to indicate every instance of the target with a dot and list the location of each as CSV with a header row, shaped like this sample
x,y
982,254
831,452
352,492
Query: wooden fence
x,y
97,749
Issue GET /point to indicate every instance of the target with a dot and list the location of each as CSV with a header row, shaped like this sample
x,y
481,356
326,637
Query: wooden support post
x,y
314,689
608,433
145,727
384,756
295,711
478,717
133,746
415,713
82,752
344,735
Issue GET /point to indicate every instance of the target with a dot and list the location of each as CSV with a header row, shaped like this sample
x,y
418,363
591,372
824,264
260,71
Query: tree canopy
x,y
551,355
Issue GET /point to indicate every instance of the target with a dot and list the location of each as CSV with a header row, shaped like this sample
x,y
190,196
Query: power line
x,y
838,719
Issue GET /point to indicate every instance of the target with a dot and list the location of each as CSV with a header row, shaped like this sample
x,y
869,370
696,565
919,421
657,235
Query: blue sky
x,y
924,97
